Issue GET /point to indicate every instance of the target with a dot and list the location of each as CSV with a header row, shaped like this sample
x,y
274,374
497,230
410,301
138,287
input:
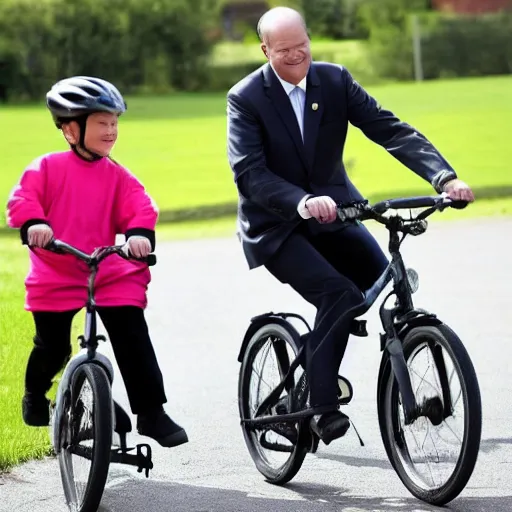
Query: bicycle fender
x,y
259,321
420,319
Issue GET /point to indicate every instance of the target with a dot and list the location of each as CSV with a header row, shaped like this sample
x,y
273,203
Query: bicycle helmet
x,y
74,97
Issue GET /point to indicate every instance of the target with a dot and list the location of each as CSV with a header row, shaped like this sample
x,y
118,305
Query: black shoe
x,y
330,426
35,410
161,428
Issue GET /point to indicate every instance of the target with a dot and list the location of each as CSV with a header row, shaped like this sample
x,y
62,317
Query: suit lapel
x,y
313,109
284,108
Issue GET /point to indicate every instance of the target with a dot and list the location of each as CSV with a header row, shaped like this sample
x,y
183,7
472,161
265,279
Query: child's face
x,y
101,132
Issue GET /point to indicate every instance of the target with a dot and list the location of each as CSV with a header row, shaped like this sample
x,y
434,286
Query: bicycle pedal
x,y
145,460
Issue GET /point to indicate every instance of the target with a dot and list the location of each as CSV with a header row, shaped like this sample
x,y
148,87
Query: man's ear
x,y
264,49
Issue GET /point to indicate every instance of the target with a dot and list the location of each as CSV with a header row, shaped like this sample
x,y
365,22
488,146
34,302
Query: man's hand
x,y
322,208
458,190
137,246
39,235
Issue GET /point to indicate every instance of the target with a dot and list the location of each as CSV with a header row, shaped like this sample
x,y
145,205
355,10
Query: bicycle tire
x,y
286,472
102,432
388,402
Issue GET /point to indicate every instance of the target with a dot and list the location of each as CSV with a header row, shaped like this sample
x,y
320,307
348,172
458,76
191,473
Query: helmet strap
x,y
79,149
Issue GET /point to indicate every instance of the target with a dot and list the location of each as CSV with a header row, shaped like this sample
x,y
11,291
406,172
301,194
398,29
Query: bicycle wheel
x,y
448,443
86,438
276,455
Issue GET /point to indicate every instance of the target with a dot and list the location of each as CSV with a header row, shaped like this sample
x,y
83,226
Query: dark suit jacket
x,y
273,168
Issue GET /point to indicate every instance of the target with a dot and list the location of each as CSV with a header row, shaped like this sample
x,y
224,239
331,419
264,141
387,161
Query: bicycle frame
x,y
89,341
90,337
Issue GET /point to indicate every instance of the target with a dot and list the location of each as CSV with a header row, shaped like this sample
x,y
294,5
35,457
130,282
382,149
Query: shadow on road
x,y
150,496
492,444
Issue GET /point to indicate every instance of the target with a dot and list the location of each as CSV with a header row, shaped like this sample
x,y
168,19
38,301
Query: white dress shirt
x,y
297,95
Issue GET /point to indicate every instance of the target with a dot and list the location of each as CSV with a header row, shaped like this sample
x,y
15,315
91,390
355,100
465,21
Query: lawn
x,y
177,144
17,441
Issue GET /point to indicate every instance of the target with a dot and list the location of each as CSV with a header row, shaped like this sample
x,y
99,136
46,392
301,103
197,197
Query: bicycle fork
x,y
391,343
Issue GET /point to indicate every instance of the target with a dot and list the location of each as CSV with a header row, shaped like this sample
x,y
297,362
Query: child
x,y
84,198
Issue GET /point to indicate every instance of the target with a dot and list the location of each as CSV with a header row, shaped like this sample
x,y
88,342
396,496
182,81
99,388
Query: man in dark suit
x,y
287,125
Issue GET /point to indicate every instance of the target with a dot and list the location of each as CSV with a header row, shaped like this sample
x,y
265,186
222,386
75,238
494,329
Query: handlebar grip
x,y
150,259
458,204
54,245
406,203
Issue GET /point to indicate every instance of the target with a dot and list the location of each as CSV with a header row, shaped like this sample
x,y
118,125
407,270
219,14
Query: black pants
x,y
329,270
133,350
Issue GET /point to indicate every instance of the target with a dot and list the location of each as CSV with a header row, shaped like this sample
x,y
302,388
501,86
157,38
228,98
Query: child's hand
x,y
39,235
137,246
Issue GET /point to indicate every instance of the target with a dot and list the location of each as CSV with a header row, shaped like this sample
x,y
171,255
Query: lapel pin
x,y
314,106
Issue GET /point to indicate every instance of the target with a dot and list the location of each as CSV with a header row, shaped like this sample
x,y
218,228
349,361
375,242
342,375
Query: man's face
x,y
288,50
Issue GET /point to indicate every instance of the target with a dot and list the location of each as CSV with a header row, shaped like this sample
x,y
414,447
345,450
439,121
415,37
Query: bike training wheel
x,y
449,447
269,354
86,438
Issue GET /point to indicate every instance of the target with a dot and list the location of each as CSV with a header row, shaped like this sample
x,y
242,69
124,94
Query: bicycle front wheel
x,y
434,456
86,438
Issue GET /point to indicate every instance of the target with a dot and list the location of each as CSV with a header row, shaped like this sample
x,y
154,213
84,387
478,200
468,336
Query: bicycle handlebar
x,y
365,211
98,255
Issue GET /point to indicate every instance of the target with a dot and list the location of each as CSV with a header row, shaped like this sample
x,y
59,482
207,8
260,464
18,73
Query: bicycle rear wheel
x,y
266,361
86,438
434,457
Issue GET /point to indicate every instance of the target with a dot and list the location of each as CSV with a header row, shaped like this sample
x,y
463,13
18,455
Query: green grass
x,y
18,442
177,144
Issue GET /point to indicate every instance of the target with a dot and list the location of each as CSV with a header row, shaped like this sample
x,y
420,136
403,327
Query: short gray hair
x,y
277,13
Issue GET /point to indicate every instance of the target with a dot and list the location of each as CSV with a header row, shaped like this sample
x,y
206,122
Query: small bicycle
x,y
419,403
84,416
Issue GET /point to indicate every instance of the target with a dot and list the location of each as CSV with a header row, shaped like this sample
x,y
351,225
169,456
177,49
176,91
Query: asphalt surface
x,y
201,299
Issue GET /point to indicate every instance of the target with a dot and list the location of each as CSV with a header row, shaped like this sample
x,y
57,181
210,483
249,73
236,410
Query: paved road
x,y
202,298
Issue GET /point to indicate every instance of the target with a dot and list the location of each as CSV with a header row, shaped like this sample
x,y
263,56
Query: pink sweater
x,y
86,204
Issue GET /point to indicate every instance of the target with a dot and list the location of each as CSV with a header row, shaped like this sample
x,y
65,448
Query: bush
x,y
334,19
452,45
390,38
457,46
134,43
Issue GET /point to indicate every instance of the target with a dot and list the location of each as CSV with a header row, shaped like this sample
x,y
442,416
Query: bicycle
x,y
403,405
85,428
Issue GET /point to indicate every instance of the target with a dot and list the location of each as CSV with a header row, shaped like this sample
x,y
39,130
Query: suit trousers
x,y
133,350
330,270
